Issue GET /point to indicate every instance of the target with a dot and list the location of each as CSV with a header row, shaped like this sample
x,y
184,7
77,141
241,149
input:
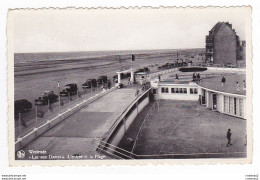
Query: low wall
x,y
21,142
227,69
110,141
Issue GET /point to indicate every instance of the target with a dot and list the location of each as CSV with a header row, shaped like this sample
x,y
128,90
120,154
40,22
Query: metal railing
x,y
21,130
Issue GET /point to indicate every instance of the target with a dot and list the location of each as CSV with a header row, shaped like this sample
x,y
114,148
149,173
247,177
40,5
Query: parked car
x,y
45,97
102,79
89,83
69,89
21,106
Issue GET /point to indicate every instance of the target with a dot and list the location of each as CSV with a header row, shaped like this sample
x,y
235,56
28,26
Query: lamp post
x,y
20,127
36,118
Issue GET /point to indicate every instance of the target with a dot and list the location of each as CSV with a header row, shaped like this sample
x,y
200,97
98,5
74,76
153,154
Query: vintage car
x,y
69,89
21,106
102,80
89,83
46,97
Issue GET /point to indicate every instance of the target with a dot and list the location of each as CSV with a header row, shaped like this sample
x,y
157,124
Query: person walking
x,y
229,137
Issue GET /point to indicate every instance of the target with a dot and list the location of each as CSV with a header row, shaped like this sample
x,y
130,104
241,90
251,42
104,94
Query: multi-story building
x,y
223,45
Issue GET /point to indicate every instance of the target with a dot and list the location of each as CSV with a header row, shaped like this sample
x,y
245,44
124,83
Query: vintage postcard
x,y
157,85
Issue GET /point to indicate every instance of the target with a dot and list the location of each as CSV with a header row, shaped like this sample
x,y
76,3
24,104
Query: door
x,y
214,101
203,99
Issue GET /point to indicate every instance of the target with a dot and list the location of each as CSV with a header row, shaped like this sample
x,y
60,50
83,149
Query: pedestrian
x,y
193,76
176,76
198,76
229,137
223,80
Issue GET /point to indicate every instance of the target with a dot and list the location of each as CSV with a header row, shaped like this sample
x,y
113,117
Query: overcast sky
x,y
93,30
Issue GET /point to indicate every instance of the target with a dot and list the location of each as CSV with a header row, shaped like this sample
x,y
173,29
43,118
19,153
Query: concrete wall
x,y
122,123
225,46
121,130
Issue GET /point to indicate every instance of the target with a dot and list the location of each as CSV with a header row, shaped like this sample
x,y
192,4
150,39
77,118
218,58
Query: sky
x,y
120,29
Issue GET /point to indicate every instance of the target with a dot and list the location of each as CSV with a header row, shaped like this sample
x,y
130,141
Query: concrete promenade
x,y
78,134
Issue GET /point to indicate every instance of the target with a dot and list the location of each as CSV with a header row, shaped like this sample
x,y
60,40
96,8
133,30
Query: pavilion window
x,y
195,91
164,90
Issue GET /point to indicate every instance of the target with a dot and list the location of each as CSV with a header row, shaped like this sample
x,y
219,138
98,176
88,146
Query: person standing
x,y
193,76
198,76
229,137
223,80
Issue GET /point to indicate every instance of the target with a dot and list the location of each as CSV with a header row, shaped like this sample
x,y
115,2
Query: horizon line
x,y
105,50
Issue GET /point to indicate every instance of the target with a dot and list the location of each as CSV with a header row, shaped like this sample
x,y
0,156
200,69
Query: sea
x,y
24,58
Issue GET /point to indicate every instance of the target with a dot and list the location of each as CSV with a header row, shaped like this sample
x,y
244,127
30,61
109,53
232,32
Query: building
x,y
228,98
223,46
182,90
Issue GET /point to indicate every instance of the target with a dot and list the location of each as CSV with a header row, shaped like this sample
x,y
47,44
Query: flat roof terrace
x,y
184,129
230,85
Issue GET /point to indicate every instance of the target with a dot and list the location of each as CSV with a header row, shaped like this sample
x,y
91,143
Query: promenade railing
x,y
38,125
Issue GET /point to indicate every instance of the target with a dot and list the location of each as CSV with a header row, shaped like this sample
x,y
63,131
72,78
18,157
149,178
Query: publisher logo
x,y
20,154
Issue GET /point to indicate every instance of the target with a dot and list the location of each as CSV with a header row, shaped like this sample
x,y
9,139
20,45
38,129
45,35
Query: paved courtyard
x,y
184,129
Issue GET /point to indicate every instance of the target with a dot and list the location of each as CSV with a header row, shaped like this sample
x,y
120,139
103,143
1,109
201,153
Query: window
x,y
231,105
195,91
179,90
191,90
164,90
226,104
241,107
235,106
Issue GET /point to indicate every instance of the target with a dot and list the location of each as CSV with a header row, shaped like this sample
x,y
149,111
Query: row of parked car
x,y
94,82
46,97
172,65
